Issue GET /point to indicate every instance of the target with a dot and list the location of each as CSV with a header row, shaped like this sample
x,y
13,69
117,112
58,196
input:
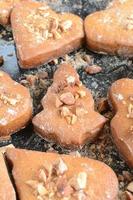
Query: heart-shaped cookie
x,y
111,31
121,98
6,188
42,34
59,177
5,10
15,106
68,116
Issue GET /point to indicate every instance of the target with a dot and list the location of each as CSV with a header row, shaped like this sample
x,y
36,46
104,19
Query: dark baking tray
x,y
113,68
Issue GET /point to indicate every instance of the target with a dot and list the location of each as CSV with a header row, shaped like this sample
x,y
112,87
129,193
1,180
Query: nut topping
x,y
67,98
65,112
130,111
66,25
81,93
57,185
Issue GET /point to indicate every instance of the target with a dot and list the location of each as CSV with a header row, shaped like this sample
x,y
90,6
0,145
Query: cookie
x,y
6,189
121,98
5,10
116,3
68,115
56,177
41,34
111,31
15,106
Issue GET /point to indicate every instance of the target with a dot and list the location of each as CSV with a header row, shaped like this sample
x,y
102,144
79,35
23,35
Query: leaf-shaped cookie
x,y
42,34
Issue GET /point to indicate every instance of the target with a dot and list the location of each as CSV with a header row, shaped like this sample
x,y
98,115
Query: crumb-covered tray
x,y
38,80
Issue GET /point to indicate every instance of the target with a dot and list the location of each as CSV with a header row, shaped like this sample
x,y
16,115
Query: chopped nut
x,y
62,167
88,59
81,93
94,69
57,35
65,111
130,187
66,25
80,111
73,119
82,180
70,80
54,23
58,103
69,118
41,189
42,176
130,111
67,98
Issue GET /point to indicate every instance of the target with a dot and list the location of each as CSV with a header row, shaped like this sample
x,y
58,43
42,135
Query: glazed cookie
x,y
121,98
15,106
5,10
111,31
56,177
42,34
6,189
68,117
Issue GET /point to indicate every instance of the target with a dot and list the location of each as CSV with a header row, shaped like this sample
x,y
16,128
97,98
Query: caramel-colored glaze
x,y
51,126
119,94
32,52
110,31
5,10
6,189
15,106
102,183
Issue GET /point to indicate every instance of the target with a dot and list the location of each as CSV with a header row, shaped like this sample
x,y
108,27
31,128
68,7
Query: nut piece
x,y
42,176
130,187
73,119
41,189
82,180
66,25
70,80
81,93
94,69
33,184
65,111
130,111
62,167
67,98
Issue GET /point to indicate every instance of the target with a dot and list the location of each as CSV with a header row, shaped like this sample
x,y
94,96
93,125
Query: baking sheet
x,y
113,68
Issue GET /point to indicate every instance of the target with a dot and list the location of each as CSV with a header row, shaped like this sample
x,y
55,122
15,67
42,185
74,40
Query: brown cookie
x,y
40,175
111,31
68,115
41,34
15,106
6,189
116,3
121,98
5,10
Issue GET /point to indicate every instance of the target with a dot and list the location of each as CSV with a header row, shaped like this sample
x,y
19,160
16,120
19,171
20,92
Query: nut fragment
x,y
94,69
81,93
130,111
66,25
82,180
62,167
67,98
65,111
42,176
33,184
41,189
73,119
130,187
70,80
